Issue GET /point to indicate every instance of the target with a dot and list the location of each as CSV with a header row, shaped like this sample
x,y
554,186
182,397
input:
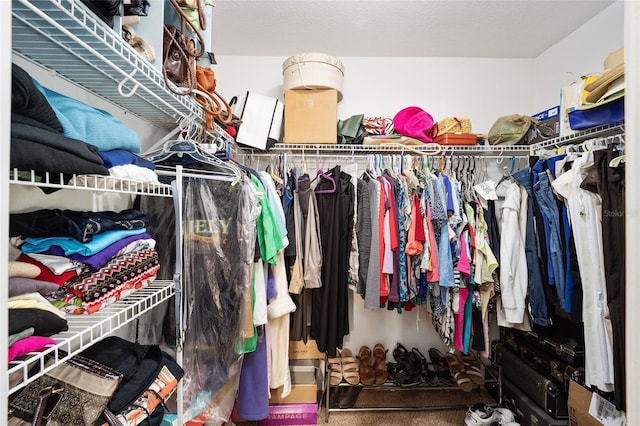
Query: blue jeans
x,y
445,260
549,207
535,289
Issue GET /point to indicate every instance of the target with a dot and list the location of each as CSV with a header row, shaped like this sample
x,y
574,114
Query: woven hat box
x,y
313,71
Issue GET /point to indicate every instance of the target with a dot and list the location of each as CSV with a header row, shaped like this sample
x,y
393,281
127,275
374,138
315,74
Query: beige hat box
x,y
313,84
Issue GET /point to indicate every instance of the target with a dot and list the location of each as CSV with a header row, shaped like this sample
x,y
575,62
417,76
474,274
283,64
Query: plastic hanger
x,y
187,147
620,159
329,178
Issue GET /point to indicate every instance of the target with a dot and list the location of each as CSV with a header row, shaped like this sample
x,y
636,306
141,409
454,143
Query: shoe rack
x,y
389,386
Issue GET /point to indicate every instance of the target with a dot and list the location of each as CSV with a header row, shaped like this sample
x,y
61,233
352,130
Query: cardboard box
x,y
300,393
298,350
304,371
291,414
310,116
548,126
579,401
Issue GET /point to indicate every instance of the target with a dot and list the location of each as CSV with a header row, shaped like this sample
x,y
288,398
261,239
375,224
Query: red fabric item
x,y
46,274
420,234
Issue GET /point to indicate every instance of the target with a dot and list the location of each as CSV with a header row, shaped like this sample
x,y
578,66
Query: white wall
x,y
581,53
480,89
476,88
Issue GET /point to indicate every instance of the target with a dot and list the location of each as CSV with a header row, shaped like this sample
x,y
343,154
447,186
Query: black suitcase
x,y
546,393
566,348
544,363
527,412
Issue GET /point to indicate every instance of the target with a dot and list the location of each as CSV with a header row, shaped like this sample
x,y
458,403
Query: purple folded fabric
x,y
29,344
21,285
98,260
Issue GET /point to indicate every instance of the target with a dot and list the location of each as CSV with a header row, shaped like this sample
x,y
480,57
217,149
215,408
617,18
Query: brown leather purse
x,y
210,100
178,66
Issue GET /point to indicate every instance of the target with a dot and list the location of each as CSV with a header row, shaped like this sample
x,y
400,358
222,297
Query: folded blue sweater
x,y
89,124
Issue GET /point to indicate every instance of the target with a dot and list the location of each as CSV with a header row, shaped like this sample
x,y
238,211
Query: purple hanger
x,y
324,175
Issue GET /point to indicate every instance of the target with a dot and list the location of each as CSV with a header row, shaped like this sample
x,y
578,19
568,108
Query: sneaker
x,y
481,414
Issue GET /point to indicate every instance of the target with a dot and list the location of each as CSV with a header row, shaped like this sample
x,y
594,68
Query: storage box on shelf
x,y
300,350
291,414
311,116
304,382
548,126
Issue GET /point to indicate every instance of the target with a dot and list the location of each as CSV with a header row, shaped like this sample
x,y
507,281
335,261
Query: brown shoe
x,y
380,363
367,372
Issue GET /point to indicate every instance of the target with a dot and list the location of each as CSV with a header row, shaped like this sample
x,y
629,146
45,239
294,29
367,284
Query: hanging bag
x,y
180,52
75,392
178,67
510,129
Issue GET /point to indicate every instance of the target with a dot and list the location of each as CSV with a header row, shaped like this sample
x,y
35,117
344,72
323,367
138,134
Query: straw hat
x,y
613,70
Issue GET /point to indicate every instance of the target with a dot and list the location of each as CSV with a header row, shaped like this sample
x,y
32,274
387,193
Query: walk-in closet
x,y
167,266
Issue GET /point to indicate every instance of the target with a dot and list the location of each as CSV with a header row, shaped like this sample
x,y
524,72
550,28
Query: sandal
x,y
335,368
473,368
441,367
457,369
380,364
428,374
349,367
367,370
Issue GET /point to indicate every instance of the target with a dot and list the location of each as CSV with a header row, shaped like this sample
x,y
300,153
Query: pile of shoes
x,y
411,368
481,414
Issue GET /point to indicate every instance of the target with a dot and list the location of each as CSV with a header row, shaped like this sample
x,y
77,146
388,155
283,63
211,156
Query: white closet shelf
x,y
392,148
63,36
85,330
90,183
481,150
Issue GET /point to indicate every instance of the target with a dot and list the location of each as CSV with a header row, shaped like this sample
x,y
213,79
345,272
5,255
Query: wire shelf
x,y
63,36
90,183
486,151
85,330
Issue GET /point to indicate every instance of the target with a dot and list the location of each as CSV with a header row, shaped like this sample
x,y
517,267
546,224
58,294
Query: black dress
x,y
330,310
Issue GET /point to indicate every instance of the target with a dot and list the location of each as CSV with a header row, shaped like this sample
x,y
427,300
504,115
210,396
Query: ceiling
x,y
396,28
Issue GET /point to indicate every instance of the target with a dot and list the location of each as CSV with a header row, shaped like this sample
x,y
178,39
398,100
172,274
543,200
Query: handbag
x,y
451,125
178,65
75,393
510,129
209,99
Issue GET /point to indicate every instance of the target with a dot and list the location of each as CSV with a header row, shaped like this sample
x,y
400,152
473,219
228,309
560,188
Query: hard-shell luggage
x,y
527,412
566,348
547,394
544,363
